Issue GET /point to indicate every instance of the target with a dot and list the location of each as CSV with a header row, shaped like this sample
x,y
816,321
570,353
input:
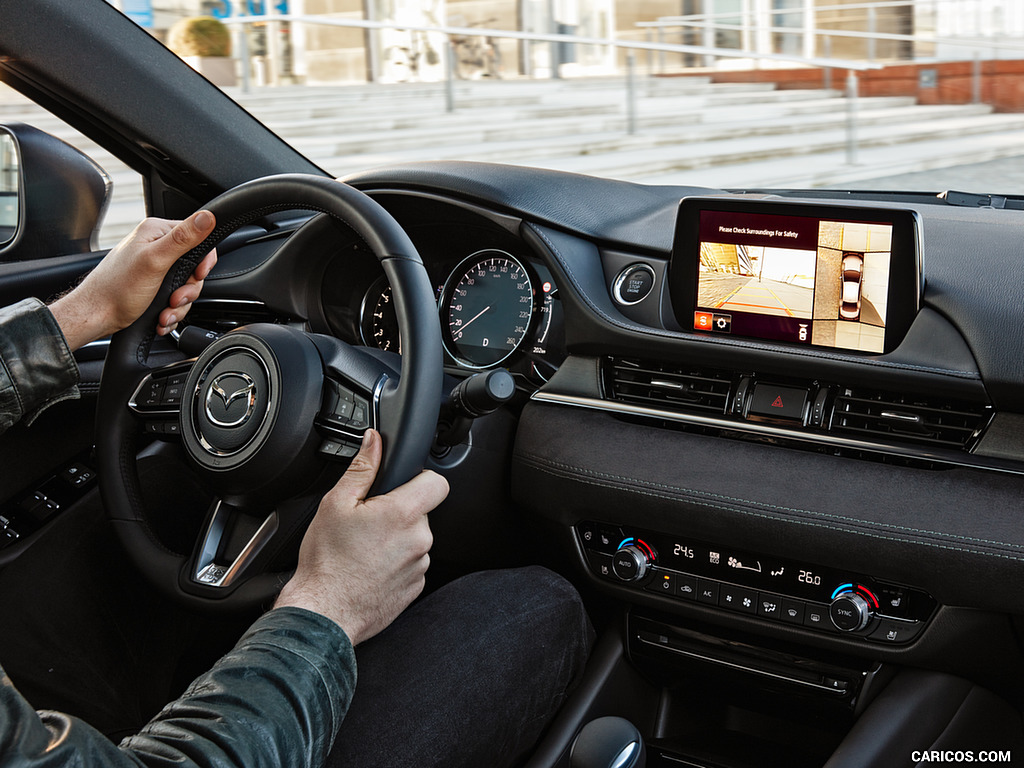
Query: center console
x,y
806,595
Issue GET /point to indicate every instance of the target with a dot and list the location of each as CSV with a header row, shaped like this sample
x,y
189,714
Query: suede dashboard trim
x,y
955,533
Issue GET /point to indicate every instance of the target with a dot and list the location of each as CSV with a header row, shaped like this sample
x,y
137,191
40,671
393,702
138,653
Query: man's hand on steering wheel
x,y
363,560
123,285
260,415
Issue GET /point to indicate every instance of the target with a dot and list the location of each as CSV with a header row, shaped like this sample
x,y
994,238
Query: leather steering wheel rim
x,y
407,427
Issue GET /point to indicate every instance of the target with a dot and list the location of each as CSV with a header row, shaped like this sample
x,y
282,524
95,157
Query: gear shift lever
x,y
608,742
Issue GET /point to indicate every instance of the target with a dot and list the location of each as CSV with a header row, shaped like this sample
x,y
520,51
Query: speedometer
x,y
486,310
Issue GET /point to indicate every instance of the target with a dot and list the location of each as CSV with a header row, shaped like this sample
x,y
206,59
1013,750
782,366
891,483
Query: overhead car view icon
x,y
852,280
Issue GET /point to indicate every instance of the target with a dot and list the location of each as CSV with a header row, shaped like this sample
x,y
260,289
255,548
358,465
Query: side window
x,y
126,206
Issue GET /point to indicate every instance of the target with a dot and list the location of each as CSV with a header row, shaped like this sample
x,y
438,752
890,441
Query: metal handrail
x,y
669,23
775,11
543,37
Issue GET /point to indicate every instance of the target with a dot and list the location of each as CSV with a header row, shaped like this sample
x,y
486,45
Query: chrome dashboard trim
x,y
765,430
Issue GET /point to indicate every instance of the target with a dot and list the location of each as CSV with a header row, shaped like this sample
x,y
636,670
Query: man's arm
x,y
36,342
278,698
124,284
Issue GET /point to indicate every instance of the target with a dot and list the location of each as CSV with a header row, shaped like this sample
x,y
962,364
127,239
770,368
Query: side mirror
x,y
52,196
9,188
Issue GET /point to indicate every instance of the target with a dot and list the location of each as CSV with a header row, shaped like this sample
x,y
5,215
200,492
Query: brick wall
x,y
1002,82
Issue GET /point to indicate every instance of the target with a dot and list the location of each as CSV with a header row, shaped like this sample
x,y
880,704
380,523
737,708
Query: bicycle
x,y
476,53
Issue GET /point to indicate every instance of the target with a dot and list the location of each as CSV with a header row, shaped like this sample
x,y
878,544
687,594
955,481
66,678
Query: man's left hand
x,y
124,283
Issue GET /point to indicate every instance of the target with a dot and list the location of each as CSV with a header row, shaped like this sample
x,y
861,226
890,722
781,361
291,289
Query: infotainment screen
x,y
807,274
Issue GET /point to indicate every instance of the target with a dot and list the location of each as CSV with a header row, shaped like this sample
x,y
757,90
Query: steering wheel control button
x,y
340,402
360,411
151,394
633,285
337,449
173,390
849,612
777,402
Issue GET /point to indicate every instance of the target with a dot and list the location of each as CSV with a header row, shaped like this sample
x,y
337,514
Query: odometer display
x,y
488,303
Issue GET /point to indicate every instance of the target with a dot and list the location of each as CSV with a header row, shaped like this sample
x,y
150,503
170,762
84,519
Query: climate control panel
x,y
812,596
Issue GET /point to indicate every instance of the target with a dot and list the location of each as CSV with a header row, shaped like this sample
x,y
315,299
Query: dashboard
x,y
873,515
859,499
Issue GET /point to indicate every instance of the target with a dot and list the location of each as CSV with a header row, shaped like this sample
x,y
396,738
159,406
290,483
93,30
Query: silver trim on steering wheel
x,y
212,574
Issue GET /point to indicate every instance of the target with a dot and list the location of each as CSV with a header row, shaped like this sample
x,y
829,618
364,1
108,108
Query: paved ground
x,y
770,297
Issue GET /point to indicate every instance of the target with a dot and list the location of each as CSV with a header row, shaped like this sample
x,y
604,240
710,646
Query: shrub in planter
x,y
205,43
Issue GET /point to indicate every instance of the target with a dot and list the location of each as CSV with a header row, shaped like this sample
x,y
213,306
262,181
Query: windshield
x,y
918,95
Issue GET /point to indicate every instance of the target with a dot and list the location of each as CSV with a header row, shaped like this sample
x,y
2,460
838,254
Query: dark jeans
x,y
469,676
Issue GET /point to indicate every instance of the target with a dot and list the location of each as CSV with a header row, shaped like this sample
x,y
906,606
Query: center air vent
x,y
929,422
667,386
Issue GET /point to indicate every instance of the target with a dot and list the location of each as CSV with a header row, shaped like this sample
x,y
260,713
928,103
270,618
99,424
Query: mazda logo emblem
x,y
224,392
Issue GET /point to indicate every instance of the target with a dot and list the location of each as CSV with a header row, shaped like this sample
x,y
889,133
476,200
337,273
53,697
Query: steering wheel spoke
x,y
231,542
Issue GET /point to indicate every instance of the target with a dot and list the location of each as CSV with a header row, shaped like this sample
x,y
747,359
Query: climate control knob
x,y
849,611
630,563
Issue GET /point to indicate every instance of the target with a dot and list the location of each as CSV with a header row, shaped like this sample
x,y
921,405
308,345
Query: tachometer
x,y
487,307
378,322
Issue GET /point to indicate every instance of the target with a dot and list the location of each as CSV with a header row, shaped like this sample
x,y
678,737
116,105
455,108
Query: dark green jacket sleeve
x,y
277,699
36,366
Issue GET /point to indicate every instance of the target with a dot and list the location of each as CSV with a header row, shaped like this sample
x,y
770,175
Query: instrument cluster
x,y
497,305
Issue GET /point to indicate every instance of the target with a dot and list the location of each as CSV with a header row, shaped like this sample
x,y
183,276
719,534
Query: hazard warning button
x,y
778,402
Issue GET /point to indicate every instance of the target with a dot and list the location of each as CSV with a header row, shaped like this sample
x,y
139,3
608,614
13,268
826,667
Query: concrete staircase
x,y
688,131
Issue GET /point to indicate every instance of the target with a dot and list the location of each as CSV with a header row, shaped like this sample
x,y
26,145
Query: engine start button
x,y
634,284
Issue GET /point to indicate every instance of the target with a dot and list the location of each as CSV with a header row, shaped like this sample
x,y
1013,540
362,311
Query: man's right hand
x,y
363,560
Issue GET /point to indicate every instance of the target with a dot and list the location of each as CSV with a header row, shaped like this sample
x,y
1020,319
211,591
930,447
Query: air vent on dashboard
x,y
224,314
906,417
667,386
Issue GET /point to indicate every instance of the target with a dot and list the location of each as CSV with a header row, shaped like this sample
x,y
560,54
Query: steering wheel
x,y
266,413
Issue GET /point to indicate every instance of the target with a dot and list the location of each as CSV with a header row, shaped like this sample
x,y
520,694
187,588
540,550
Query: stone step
x,y
643,163
723,140
452,130
832,169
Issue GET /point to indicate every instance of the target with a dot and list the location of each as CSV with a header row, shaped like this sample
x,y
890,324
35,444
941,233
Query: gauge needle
x,y
463,328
